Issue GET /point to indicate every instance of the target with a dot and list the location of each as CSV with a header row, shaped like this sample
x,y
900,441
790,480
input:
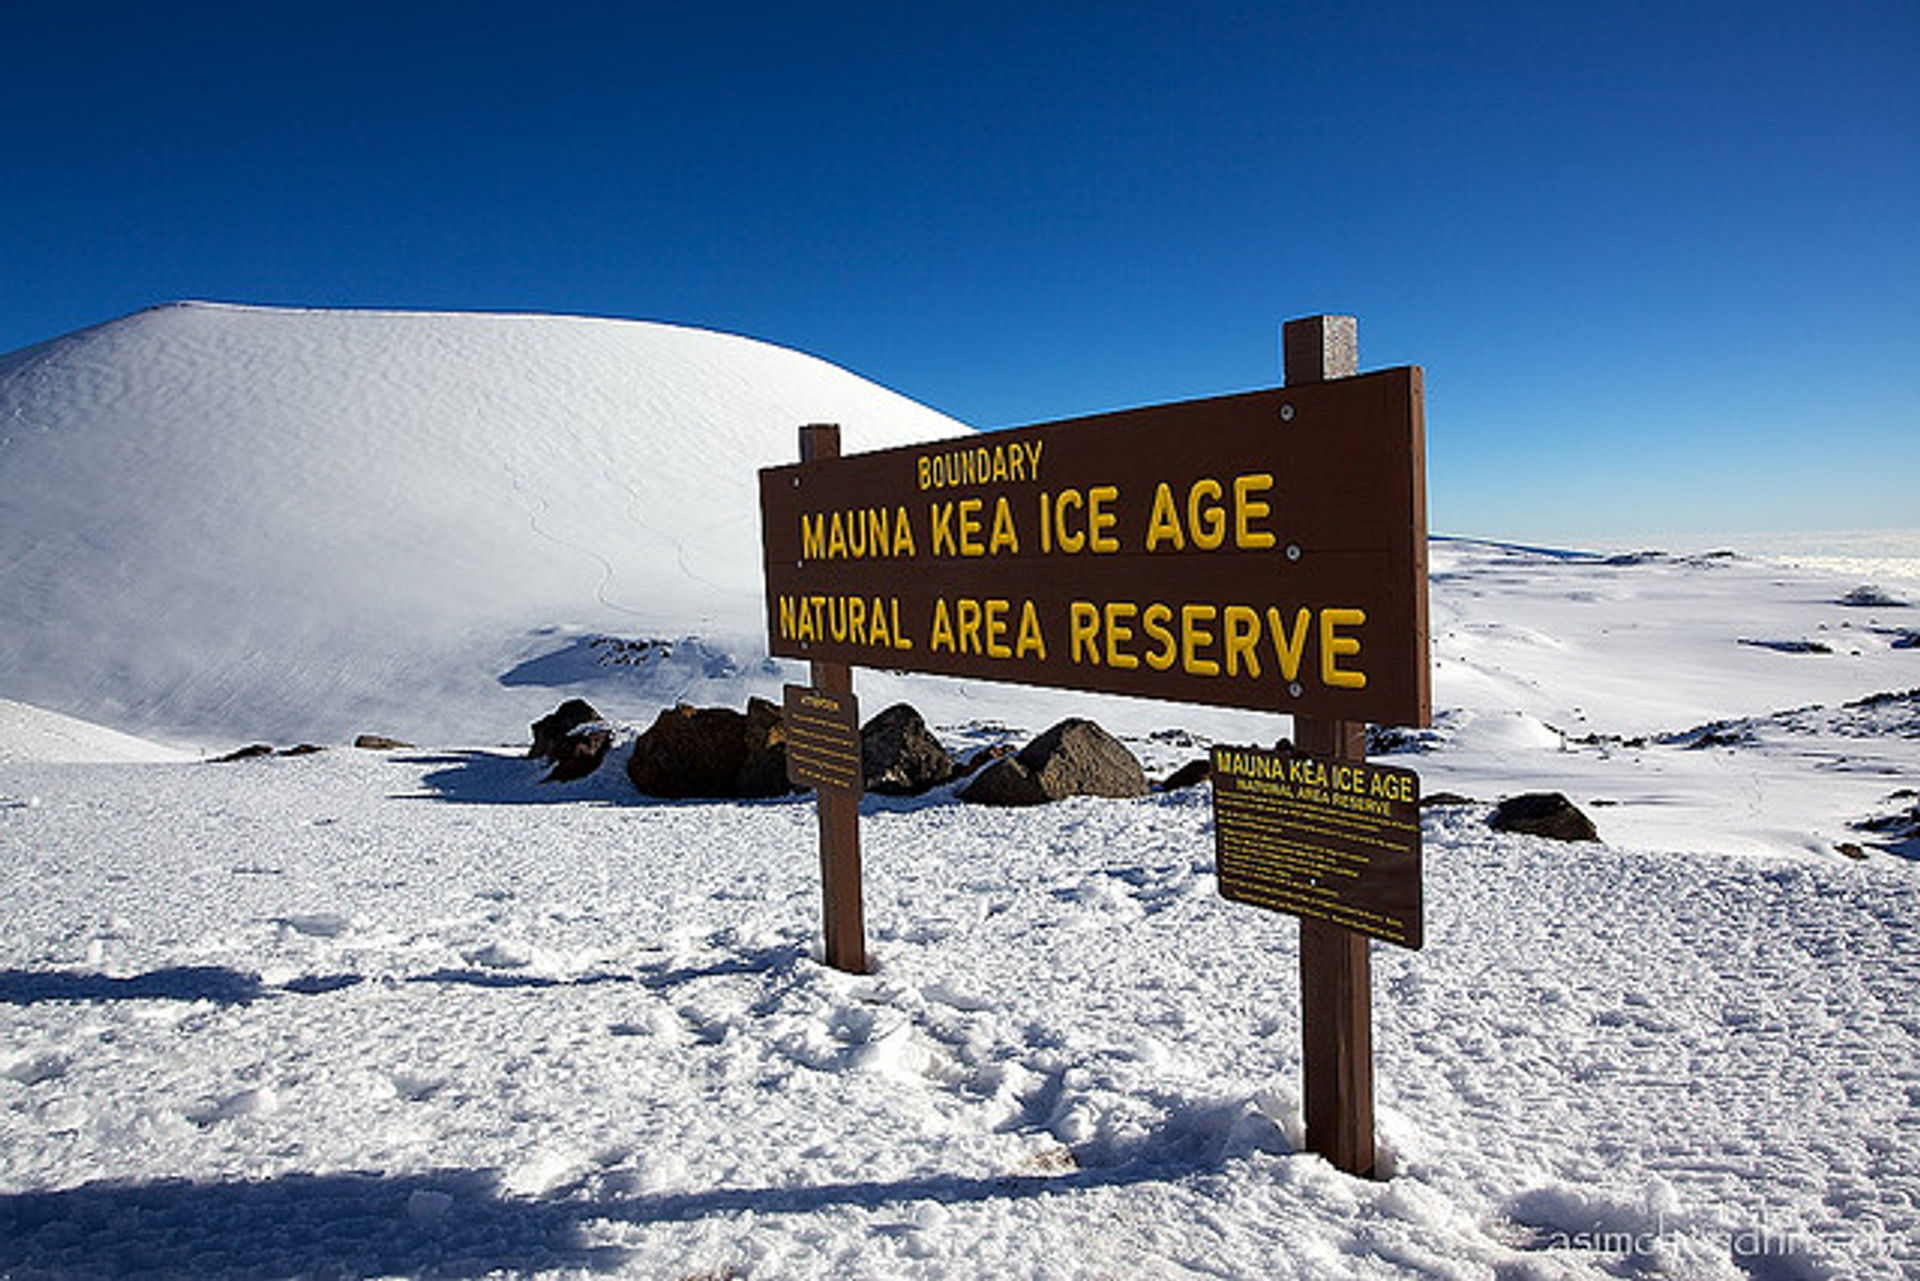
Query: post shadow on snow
x,y
222,986
472,777
769,960
215,983
444,1223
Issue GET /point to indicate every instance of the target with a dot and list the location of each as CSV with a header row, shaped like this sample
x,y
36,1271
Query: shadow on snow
x,y
498,778
445,1223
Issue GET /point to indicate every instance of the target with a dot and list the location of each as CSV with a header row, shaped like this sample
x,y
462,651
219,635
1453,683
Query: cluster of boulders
x,y
719,753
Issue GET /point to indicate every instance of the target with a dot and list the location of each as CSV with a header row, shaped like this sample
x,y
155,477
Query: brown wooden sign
x,y
1327,839
823,739
1264,550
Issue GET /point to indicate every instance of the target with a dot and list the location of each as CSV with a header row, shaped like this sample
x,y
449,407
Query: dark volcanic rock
x,y
1005,782
247,753
763,766
380,743
712,753
573,738
981,759
1188,775
690,752
1074,758
579,753
1543,814
899,756
550,729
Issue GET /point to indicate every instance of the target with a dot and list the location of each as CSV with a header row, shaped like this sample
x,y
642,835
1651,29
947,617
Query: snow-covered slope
x,y
32,734
220,522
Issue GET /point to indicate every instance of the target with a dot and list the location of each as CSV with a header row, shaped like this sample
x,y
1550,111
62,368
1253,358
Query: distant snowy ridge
x,y
222,522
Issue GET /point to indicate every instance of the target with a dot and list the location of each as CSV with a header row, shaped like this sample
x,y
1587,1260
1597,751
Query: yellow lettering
x,y
1194,638
837,537
970,544
1288,649
926,472
1100,520
996,620
1204,516
940,634
1083,631
1118,633
1240,635
900,639
813,535
902,534
1071,542
1164,523
856,620
1030,641
1153,621
940,515
1004,536
1333,646
967,624
1247,509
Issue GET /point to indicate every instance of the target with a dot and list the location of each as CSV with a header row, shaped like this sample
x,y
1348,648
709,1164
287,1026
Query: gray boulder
x,y
573,738
550,729
1547,814
899,756
1074,758
690,752
763,766
712,753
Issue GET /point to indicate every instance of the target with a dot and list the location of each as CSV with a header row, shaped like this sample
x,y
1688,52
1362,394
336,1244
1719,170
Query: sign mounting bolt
x,y
1286,413
1293,551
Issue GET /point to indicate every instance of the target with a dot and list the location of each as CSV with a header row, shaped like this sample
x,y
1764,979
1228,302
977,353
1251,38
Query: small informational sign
x,y
1337,841
823,739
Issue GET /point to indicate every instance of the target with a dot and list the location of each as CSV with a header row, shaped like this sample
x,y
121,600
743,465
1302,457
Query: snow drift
x,y
221,521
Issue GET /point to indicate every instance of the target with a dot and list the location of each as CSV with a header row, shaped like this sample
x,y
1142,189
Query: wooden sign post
x,y
1336,976
1266,550
842,903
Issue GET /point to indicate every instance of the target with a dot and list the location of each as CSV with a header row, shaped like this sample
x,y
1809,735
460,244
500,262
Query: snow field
x,y
418,1014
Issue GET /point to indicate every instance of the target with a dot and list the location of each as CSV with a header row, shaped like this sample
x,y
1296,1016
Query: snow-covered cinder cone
x,y
230,521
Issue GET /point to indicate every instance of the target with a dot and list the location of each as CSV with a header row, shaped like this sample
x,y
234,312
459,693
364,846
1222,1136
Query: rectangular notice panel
x,y
1337,841
823,739
1264,550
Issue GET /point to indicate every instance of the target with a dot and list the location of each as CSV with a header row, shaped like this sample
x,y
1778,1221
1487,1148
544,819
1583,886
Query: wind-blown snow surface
x,y
354,1014
363,1014
222,522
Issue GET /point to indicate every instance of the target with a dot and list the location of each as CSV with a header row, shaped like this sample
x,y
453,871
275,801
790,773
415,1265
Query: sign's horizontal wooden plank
x,y
1263,550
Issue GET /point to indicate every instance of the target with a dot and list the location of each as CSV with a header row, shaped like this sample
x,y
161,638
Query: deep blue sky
x,y
1660,261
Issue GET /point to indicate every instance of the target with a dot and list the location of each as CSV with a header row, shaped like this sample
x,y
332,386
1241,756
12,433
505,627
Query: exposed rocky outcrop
x,y
763,770
574,738
1547,814
1074,758
899,755
712,753
1191,774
